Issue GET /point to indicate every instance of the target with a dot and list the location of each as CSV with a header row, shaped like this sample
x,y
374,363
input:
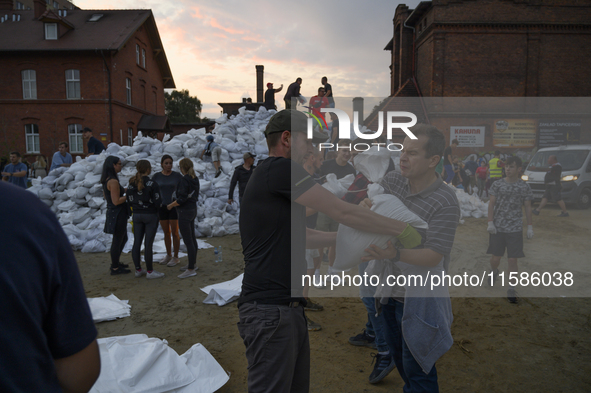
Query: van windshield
x,y
569,159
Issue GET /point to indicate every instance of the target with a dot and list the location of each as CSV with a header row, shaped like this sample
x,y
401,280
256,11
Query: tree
x,y
180,107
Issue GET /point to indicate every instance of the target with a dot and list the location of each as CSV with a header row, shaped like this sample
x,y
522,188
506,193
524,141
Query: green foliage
x,y
180,107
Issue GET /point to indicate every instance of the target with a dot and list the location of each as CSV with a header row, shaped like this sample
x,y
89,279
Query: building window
x,y
75,133
144,58
51,31
56,5
32,138
29,84
73,84
128,89
137,54
130,136
20,6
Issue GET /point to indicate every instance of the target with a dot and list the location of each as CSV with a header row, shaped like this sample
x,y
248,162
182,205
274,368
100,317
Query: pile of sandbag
x,y
471,205
76,195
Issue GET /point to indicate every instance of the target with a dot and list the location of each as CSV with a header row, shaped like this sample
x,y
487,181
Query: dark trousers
x,y
119,239
277,348
415,380
187,229
449,173
144,225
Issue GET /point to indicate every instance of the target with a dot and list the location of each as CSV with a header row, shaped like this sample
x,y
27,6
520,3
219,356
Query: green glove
x,y
410,238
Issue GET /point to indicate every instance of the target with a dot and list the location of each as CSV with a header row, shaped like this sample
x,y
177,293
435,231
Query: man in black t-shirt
x,y
274,239
328,91
270,96
94,145
553,187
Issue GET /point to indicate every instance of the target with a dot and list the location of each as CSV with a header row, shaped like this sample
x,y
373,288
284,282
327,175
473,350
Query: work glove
x,y
491,228
410,238
530,231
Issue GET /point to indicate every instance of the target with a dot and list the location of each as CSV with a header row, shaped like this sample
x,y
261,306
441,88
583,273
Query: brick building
x,y
54,4
61,72
489,48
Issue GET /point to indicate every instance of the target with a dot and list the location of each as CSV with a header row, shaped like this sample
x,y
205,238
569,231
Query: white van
x,y
576,173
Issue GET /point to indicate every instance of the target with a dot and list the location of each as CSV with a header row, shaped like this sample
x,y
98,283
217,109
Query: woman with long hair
x,y
143,195
117,212
40,166
187,193
168,180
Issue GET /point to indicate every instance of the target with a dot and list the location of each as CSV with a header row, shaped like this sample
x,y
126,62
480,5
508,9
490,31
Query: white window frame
x,y
75,138
56,5
137,54
73,79
128,90
32,138
20,6
143,58
51,31
29,78
130,136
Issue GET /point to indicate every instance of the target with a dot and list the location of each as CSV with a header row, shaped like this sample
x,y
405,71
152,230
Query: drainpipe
x,y
110,100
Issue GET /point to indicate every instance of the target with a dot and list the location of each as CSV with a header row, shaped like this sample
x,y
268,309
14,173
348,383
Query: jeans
x,y
415,380
187,229
449,173
144,225
374,325
277,348
119,239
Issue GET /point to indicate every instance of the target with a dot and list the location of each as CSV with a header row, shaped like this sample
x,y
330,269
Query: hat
x,y
292,120
209,138
86,129
269,84
248,155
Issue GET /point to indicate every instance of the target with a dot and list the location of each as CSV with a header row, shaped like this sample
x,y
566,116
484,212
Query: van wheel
x,y
584,199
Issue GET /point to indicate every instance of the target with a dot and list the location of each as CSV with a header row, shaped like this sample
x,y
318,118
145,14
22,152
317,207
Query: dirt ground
x,y
542,344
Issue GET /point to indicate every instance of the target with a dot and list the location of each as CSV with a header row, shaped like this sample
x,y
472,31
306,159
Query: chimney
x,y
6,5
260,80
358,107
39,7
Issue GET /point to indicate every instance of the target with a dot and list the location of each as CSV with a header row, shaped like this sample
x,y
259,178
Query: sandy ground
x,y
542,344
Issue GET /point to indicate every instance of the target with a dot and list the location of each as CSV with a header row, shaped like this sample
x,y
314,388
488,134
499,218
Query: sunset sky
x,y
213,47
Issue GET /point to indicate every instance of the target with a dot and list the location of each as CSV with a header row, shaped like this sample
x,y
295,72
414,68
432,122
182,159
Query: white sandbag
x,y
90,180
333,185
373,163
204,228
224,292
94,246
67,205
218,231
108,308
351,243
209,375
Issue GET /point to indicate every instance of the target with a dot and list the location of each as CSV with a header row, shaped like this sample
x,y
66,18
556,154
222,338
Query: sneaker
x,y
311,306
188,273
564,214
512,295
154,274
491,280
140,273
536,212
173,262
219,172
384,364
165,260
120,270
312,326
123,265
363,340
182,269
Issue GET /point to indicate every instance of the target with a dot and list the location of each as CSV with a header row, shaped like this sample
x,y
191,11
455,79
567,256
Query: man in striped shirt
x,y
426,333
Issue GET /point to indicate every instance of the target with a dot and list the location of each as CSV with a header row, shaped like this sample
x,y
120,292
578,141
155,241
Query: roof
x,y
110,33
154,123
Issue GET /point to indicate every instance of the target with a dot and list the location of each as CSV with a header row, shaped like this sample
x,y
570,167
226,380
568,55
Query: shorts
x,y
512,241
552,193
326,224
164,214
310,255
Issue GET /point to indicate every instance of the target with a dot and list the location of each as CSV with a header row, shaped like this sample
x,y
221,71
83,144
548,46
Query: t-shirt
x,y
554,175
481,172
17,181
273,232
472,166
167,185
58,160
293,91
241,176
510,197
331,166
270,99
95,146
317,103
45,314
329,96
446,153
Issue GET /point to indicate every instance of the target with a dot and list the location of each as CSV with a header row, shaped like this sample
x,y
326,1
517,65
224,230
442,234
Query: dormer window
x,y
51,31
95,17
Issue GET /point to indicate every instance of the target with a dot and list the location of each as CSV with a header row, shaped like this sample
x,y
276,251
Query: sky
x,y
212,47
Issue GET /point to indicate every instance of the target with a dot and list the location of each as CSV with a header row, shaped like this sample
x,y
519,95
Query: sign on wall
x,y
515,133
559,132
468,136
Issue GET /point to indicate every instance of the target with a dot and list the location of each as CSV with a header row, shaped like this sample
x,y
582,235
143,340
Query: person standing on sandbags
x,y
143,195
187,193
168,180
212,153
117,212
241,176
